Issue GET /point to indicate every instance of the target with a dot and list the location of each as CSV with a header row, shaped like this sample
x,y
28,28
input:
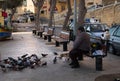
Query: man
x,y
81,46
105,39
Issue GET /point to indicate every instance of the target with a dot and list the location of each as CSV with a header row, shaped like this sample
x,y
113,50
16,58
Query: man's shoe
x,y
75,66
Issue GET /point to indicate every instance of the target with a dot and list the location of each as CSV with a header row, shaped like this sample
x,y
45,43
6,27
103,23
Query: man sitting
x,y
81,46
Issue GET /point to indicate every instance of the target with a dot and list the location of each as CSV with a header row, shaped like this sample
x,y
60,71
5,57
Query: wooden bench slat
x,y
63,37
61,40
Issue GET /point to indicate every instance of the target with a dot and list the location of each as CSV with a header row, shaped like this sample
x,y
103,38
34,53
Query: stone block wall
x,y
118,0
108,14
108,2
117,14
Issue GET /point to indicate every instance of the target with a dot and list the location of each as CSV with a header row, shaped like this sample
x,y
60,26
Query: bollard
x,y
98,63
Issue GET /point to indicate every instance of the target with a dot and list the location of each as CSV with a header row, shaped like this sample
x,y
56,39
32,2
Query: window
x,y
117,33
62,8
112,30
25,3
96,28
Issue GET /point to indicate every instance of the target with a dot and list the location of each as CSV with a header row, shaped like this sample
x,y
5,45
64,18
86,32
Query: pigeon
x,y
55,60
44,55
24,56
44,64
2,66
55,53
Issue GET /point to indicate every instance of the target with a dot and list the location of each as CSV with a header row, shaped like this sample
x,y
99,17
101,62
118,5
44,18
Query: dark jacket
x,y
82,41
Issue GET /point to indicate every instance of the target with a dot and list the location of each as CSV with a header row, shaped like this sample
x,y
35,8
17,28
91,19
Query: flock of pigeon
x,y
24,61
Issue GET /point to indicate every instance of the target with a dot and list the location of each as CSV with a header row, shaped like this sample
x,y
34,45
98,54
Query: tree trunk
x,y
37,22
38,4
11,16
52,9
68,15
81,12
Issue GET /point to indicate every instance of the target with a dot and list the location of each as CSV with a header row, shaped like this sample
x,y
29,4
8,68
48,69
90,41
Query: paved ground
x,y
25,42
23,27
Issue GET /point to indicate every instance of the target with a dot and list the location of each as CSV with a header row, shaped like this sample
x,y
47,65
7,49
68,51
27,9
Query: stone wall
x,y
108,2
118,0
108,14
117,14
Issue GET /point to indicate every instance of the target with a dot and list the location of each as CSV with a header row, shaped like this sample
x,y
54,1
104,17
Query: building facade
x,y
27,6
60,7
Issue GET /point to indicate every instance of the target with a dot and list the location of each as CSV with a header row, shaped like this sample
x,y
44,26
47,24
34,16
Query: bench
x,y
38,32
48,34
63,38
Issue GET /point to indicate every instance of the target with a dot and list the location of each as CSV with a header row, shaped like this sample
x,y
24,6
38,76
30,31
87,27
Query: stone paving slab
x,y
25,42
109,77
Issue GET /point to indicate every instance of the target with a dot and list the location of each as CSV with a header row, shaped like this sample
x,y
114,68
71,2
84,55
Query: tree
x,y
68,15
81,12
52,9
38,4
12,6
81,15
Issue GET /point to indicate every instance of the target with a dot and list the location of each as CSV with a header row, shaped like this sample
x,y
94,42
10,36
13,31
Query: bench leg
x,y
57,44
41,34
65,46
98,63
49,38
38,33
34,32
45,37
80,57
